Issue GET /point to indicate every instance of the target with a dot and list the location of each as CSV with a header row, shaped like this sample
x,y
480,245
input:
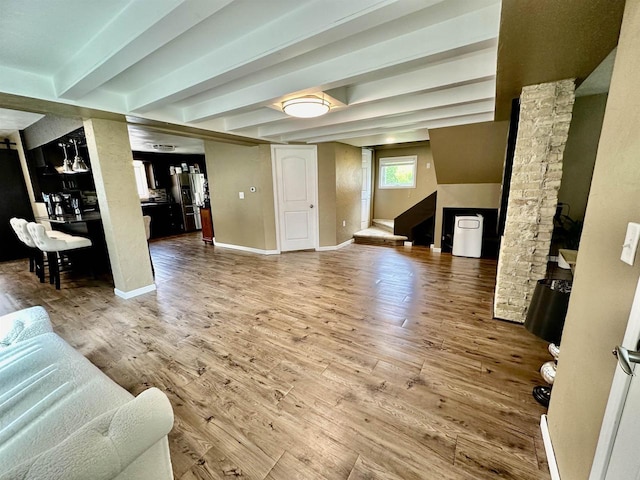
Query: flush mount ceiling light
x,y
308,106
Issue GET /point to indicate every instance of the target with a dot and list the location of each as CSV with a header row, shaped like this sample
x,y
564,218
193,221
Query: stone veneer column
x,y
545,116
111,163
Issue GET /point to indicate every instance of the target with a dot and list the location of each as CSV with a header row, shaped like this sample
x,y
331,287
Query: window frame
x,y
390,161
141,179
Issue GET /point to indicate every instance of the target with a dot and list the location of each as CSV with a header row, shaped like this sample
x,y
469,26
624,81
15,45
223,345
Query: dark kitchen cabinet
x,y
166,219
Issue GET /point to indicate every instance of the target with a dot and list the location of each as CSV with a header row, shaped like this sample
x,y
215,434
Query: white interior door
x,y
617,454
365,216
296,185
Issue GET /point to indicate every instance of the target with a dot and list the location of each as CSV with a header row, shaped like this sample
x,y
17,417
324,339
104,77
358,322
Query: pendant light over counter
x,y
79,164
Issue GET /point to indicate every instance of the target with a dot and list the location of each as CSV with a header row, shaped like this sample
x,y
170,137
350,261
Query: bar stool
x,y
55,247
34,253
36,257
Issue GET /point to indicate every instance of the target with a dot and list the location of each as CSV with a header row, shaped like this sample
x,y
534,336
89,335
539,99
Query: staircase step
x,y
378,236
383,224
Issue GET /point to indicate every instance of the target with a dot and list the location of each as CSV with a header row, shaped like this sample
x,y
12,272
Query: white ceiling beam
x,y
444,122
134,33
26,84
475,66
393,106
484,106
391,27
304,29
381,139
466,68
254,118
475,27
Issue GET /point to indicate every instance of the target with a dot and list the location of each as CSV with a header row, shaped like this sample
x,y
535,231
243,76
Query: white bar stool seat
x,y
53,246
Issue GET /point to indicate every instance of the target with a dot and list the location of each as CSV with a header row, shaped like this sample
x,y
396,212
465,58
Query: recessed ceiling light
x,y
308,106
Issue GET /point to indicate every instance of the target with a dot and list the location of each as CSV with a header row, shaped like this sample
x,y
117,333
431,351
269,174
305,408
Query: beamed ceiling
x,y
391,68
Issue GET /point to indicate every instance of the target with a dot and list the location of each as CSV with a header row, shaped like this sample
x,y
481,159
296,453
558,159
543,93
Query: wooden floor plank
x,y
361,363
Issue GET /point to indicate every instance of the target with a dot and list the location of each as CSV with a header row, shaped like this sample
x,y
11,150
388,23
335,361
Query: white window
x,y
398,172
141,179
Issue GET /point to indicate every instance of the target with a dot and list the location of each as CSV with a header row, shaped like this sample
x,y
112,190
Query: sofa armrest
x,y
104,447
23,324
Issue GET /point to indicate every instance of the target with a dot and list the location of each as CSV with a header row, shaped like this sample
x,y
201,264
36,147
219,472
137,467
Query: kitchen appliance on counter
x,y
188,190
59,203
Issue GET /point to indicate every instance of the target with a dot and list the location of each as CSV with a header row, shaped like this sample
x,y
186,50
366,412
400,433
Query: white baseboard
x,y
552,258
548,447
335,247
136,292
408,244
436,250
246,249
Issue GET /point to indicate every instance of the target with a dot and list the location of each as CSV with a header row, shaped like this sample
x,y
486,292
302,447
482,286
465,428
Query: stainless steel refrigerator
x,y
187,190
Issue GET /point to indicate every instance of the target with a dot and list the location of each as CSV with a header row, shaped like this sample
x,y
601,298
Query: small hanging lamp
x,y
67,165
78,162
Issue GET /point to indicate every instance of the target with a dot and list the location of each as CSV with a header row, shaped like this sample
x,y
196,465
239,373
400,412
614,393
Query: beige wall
x,y
603,286
470,153
49,128
348,191
580,153
339,192
327,194
251,222
389,203
233,169
469,195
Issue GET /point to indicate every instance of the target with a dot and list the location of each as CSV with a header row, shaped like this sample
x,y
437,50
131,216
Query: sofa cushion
x,y
104,447
49,391
22,325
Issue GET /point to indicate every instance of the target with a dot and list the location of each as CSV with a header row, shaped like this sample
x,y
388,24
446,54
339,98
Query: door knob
x,y
311,206
626,358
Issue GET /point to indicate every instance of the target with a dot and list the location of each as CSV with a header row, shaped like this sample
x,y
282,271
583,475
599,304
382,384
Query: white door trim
x,y
370,184
617,397
276,203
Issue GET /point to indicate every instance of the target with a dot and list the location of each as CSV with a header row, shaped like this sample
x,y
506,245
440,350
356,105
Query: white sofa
x,y
62,418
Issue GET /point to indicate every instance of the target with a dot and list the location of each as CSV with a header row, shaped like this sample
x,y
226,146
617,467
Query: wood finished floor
x,y
363,363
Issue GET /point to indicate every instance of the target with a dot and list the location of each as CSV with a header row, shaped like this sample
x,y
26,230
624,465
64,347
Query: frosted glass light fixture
x,y
78,162
308,106
67,166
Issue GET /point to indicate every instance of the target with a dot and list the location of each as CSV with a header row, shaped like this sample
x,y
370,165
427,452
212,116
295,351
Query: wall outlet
x,y
344,223
428,164
241,195
630,244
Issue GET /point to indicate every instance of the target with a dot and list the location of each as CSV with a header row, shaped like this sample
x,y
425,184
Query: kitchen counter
x,y
69,218
88,225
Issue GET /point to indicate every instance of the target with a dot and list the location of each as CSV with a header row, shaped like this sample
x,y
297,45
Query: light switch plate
x,y
241,195
630,244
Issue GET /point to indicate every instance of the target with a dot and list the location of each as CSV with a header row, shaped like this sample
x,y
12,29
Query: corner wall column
x,y
111,163
545,116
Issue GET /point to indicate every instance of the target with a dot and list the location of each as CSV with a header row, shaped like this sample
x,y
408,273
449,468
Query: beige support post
x,y
111,162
